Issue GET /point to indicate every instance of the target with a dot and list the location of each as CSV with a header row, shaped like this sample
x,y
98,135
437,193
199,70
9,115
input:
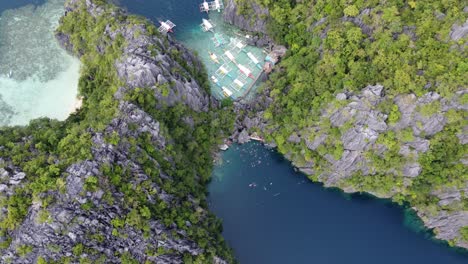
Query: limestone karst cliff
x,y
123,179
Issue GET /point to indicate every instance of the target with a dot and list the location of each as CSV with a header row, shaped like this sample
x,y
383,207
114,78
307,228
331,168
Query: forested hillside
x,y
373,96
123,179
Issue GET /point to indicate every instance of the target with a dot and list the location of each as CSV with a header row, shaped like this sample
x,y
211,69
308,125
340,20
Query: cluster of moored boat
x,y
226,59
216,5
229,59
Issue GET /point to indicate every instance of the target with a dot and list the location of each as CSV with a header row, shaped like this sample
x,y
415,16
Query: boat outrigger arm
x,y
218,5
229,55
207,25
166,26
205,7
245,70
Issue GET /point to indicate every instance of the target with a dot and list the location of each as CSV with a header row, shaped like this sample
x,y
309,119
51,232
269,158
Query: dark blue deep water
x,y
10,4
287,219
184,13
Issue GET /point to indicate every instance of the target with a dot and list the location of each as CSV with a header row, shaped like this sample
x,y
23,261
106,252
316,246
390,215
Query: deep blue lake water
x,y
286,218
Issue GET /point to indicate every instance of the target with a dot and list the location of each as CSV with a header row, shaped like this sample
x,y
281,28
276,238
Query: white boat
x,y
207,25
166,26
226,92
223,70
216,5
215,80
224,147
240,45
252,57
229,55
245,70
204,7
238,83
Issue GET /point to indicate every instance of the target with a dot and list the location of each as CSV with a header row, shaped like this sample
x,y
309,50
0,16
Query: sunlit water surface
x,y
37,77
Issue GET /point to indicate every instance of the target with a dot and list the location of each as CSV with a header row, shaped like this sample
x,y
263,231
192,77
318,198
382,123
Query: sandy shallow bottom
x,y
37,77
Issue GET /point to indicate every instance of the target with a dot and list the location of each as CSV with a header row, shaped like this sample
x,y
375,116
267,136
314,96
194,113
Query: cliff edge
x,y
123,179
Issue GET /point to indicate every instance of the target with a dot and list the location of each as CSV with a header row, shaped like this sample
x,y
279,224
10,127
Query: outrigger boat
x,y
218,40
245,71
166,26
207,25
254,60
230,56
213,57
204,7
237,85
217,5
227,92
223,71
215,80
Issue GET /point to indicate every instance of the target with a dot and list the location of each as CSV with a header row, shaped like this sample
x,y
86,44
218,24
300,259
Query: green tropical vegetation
x,y
46,148
343,46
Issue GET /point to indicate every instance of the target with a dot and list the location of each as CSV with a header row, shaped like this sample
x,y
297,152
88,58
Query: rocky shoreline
x,y
360,113
65,228
90,219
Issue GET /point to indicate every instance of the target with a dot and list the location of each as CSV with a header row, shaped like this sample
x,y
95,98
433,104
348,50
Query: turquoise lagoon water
x,y
286,218
188,18
37,77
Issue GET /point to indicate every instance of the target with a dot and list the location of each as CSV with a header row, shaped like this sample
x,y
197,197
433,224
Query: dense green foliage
x,y
337,46
464,233
395,55
45,148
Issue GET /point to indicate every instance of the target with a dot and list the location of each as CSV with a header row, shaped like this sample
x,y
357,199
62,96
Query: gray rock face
x,y
358,138
68,223
141,70
367,124
341,96
446,224
256,22
243,137
317,142
459,31
359,22
294,138
411,170
362,124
